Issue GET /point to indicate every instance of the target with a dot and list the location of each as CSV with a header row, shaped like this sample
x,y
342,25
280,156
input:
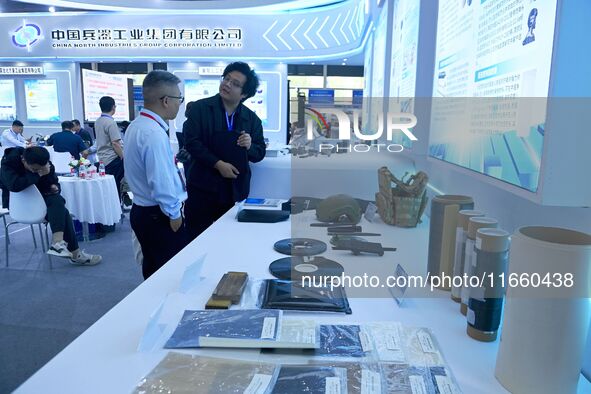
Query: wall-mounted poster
x,y
7,100
42,101
197,89
97,84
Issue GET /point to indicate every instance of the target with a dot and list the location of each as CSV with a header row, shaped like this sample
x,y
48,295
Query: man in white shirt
x,y
156,182
13,137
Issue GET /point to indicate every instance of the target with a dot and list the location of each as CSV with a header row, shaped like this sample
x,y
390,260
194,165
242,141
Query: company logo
x,y
395,123
26,35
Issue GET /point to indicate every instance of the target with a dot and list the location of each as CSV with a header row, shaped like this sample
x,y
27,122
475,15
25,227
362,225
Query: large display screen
x,y
7,100
259,102
42,100
197,89
378,71
403,71
501,50
97,84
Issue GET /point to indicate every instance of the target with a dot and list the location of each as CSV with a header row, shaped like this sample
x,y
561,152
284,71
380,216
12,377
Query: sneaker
x,y
59,249
86,259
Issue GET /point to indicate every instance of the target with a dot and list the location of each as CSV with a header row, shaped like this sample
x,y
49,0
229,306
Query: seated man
x,y
22,168
67,141
14,136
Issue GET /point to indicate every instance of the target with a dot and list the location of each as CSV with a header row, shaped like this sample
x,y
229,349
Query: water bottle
x,y
82,172
101,168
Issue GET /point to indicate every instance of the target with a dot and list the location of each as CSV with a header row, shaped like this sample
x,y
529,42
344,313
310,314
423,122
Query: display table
x,y
105,359
92,200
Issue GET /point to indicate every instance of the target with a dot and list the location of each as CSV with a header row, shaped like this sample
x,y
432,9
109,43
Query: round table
x,y
92,200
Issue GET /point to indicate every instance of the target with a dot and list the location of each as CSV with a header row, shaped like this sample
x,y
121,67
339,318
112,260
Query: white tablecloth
x,y
92,200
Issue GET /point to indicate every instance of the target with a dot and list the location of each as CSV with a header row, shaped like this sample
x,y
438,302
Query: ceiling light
x,y
343,64
313,63
52,9
345,59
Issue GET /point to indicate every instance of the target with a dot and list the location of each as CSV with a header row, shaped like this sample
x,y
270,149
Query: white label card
x,y
417,384
470,316
309,336
332,385
393,340
269,328
445,385
365,341
258,384
371,382
426,342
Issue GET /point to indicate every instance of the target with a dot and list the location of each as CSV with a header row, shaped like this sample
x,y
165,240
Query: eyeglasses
x,y
180,98
233,82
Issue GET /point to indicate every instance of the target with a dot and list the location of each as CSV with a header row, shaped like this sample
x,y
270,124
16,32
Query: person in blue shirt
x,y
67,141
157,184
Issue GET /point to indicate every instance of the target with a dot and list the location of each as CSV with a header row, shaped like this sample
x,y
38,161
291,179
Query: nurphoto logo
x,y
395,122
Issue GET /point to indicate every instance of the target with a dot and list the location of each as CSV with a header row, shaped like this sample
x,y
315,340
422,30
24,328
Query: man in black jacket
x,y
222,135
22,168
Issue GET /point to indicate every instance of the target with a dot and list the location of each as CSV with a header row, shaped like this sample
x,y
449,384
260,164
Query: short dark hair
x,y
67,125
36,155
76,122
154,81
252,79
106,103
18,123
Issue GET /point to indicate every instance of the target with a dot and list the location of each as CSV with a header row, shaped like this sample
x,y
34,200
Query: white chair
x,y
28,207
61,161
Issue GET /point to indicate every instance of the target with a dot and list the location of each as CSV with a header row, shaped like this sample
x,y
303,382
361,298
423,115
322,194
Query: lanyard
x,y
153,118
230,121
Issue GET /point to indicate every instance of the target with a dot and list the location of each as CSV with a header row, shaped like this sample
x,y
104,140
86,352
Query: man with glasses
x,y
157,185
108,141
221,135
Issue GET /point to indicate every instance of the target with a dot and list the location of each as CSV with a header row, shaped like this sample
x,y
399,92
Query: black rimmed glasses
x,y
233,82
181,99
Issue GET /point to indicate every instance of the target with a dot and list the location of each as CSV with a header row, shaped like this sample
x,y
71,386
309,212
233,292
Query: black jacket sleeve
x,y
258,148
195,135
16,181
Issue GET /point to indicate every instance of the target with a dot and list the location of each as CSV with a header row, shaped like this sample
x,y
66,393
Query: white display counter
x,y
105,359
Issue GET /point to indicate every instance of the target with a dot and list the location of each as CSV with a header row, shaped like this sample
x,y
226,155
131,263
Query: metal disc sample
x,y
300,246
293,268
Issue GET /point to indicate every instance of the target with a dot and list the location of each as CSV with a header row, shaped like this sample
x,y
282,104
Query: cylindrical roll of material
x,y
461,235
485,305
442,232
543,339
474,224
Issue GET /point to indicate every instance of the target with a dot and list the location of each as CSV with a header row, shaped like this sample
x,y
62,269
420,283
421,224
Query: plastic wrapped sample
x,y
182,373
387,340
310,379
420,347
404,379
343,341
232,326
362,378
286,295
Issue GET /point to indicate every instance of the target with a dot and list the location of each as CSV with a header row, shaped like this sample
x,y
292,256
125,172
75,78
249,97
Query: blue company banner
x,y
321,96
338,30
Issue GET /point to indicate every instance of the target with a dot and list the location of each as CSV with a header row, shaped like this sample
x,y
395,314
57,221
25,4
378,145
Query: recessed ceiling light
x,y
343,64
313,63
345,59
52,9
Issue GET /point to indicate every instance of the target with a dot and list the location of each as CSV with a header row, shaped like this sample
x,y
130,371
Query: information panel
x,y
42,100
259,103
7,100
498,49
97,84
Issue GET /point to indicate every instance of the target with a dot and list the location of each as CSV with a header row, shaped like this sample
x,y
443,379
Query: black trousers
x,y
60,220
202,209
159,243
115,168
